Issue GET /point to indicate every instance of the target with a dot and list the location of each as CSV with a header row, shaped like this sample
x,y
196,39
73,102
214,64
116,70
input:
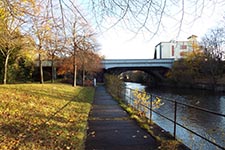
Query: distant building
x,y
175,49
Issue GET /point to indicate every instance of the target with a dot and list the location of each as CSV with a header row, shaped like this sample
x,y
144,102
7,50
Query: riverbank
x,y
110,127
199,86
204,123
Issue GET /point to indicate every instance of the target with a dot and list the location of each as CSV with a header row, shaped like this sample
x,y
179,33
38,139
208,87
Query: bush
x,y
114,85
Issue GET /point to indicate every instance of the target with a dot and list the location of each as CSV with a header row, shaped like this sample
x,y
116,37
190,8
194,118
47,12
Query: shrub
x,y
114,85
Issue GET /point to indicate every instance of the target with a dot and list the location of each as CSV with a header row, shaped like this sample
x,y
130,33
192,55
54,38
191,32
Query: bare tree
x,y
54,46
80,35
135,15
80,41
150,15
89,60
214,43
73,39
74,43
42,25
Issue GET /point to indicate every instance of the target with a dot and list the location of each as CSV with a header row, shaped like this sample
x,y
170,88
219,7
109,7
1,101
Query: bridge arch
x,y
157,73
155,67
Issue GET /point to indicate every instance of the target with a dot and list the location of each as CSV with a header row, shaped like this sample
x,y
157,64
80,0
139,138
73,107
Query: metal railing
x,y
130,100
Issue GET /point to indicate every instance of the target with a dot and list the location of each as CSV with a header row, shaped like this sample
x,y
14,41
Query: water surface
x,y
206,124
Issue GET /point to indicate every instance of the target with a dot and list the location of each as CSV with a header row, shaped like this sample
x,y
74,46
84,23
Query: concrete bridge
x,y
137,63
156,67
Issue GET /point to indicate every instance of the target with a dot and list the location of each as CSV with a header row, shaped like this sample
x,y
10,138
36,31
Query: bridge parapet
x,y
129,63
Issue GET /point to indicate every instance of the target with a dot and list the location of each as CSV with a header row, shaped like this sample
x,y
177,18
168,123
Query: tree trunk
x,y
75,76
83,76
53,71
5,69
41,70
213,81
74,68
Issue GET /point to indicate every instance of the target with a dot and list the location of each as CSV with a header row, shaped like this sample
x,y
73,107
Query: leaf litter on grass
x,y
50,116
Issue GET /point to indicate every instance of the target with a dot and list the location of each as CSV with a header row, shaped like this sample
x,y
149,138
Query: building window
x,y
172,50
183,47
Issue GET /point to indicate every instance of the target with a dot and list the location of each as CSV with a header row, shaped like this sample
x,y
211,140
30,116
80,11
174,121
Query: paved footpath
x,y
110,127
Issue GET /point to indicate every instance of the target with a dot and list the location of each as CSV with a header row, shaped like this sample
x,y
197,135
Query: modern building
x,y
175,49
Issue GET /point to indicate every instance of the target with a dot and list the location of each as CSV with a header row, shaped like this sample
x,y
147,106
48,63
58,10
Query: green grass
x,y
49,116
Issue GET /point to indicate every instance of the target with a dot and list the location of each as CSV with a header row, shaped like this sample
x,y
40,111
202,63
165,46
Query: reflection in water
x,y
208,125
222,105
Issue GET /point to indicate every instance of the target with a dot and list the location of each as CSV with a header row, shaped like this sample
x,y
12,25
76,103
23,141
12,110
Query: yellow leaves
x,y
93,133
2,14
8,143
28,1
145,136
33,117
142,101
80,135
157,102
141,95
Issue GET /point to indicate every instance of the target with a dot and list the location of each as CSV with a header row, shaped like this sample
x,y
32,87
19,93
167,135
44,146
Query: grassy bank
x,y
49,116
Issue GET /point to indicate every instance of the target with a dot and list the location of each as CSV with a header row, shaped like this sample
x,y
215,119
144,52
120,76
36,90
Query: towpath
x,y
110,127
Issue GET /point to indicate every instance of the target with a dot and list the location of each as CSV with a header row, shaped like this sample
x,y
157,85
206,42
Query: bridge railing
x,y
129,98
114,63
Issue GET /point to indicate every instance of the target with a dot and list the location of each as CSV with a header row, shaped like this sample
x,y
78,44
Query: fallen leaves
x,y
145,136
32,116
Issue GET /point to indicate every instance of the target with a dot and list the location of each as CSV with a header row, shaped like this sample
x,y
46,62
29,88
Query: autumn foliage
x,y
43,117
86,61
143,102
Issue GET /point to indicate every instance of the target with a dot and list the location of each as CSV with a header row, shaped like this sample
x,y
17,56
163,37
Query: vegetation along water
x,y
206,124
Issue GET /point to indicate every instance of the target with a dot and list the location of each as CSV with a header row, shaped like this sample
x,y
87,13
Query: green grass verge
x,y
44,117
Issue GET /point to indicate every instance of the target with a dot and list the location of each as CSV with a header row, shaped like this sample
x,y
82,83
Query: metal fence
x,y
129,99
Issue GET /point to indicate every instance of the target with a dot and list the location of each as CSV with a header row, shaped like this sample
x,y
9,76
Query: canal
x,y
208,125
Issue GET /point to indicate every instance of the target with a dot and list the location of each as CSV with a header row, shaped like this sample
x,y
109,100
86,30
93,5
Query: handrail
x,y
189,105
175,115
